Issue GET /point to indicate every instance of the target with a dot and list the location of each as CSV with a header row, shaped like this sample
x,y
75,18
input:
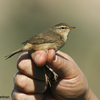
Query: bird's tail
x,y
13,53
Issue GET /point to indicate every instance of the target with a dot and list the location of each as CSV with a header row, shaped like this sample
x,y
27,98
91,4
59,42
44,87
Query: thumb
x,y
63,64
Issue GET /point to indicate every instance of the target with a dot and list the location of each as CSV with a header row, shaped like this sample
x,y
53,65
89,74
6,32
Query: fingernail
x,y
55,58
37,57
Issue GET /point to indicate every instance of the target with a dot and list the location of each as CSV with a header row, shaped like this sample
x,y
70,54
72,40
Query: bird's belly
x,y
47,46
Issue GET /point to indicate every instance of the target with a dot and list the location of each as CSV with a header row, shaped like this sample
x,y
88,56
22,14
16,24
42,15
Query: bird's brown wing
x,y
47,36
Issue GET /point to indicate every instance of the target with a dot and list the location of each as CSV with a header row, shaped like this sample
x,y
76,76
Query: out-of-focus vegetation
x,y
21,19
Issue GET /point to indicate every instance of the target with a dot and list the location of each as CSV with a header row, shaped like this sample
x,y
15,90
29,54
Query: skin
x,y
29,80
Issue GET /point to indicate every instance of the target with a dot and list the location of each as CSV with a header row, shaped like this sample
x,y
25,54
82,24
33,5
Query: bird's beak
x,y
71,28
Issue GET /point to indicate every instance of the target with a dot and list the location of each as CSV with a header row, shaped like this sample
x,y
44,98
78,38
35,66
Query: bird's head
x,y
63,29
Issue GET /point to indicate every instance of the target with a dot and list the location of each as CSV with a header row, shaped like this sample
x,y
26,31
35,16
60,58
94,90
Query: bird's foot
x,y
47,80
55,76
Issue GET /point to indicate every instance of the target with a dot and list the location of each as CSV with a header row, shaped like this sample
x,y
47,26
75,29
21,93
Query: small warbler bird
x,y
52,38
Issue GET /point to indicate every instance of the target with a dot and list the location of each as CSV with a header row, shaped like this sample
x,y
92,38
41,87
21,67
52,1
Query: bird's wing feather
x,y
47,36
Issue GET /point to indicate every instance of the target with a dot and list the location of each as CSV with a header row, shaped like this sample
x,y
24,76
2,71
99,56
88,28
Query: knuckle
x,y
21,96
23,65
15,95
20,81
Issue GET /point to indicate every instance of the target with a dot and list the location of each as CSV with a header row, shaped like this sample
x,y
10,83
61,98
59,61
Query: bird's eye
x,y
63,27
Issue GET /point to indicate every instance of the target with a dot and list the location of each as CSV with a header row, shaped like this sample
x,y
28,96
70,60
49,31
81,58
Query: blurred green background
x,y
22,19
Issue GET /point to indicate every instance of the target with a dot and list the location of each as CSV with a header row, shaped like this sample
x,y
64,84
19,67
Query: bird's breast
x,y
56,45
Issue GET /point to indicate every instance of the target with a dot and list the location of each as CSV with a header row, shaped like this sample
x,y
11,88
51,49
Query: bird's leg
x,y
55,75
47,79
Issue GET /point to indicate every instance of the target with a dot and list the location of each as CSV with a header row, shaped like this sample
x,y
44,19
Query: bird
x,y
52,38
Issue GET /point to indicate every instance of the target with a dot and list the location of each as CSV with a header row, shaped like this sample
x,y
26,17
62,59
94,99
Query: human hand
x,y
30,85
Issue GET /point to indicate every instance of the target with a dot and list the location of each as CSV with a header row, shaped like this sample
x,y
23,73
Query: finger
x,y
28,85
39,57
63,65
26,65
16,95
